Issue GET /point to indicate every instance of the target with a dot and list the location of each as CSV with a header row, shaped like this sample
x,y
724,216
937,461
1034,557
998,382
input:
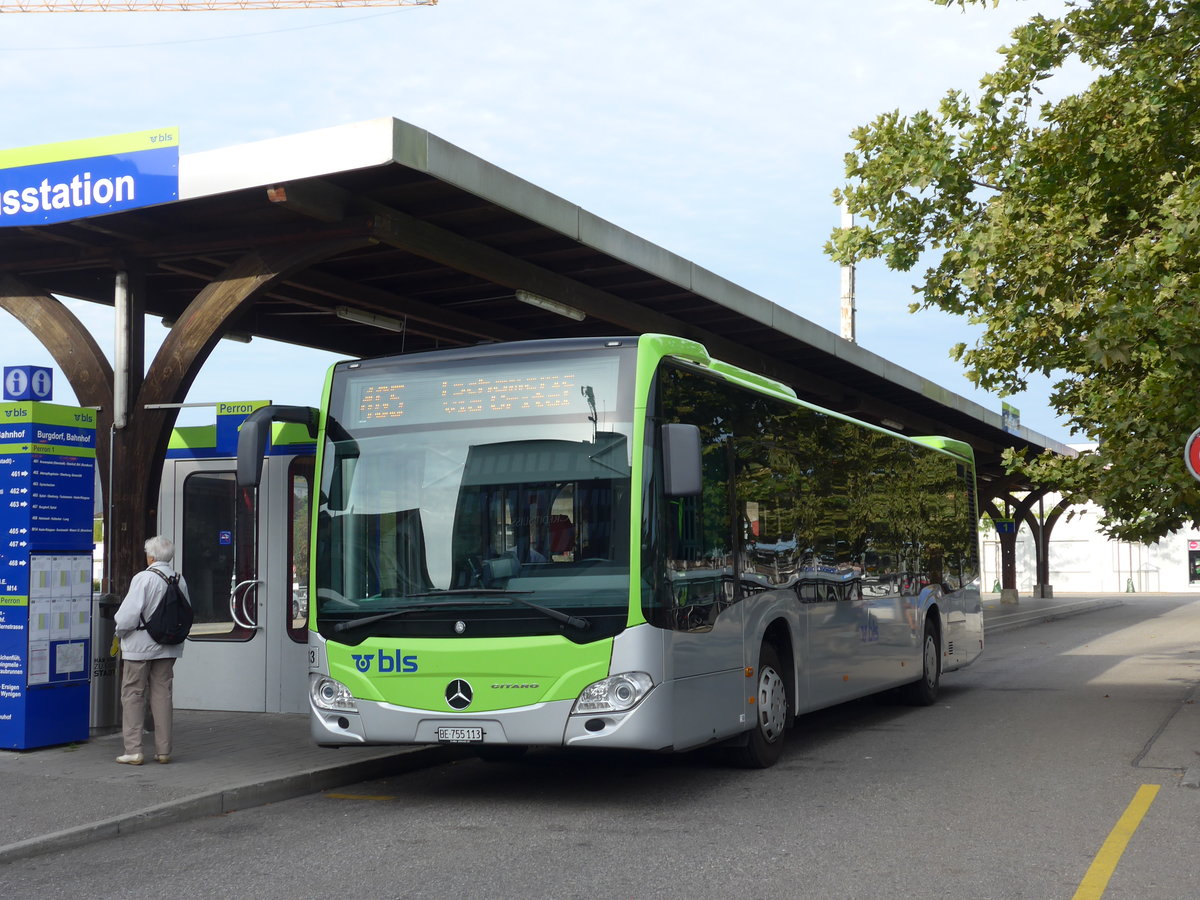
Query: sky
x,y
714,129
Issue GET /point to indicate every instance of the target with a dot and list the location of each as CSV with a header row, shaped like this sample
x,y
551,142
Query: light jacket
x,y
145,591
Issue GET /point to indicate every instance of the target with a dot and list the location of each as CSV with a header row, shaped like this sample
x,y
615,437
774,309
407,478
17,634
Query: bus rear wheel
x,y
764,743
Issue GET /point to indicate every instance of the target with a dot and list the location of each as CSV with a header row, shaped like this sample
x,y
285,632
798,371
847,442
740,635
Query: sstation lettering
x,y
78,193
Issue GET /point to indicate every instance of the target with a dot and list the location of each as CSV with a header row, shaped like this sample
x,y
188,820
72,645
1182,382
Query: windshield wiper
x,y
500,594
556,615
403,611
468,592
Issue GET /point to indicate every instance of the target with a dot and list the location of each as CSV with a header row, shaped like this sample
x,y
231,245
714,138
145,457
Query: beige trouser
x,y
138,675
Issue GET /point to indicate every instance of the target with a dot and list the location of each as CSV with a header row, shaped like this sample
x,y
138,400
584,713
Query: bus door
x,y
247,574
705,656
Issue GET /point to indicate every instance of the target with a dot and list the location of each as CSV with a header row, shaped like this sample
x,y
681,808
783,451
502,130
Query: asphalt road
x,y
1008,787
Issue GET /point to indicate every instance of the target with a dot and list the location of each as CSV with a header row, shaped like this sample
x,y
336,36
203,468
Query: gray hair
x,y
160,549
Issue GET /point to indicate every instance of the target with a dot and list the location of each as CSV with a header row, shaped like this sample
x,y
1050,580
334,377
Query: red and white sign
x,y
1191,454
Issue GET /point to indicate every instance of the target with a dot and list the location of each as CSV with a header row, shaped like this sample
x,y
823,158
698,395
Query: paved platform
x,y
61,797
1000,617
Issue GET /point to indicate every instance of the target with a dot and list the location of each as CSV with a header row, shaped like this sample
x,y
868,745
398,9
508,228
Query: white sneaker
x,y
130,759
162,758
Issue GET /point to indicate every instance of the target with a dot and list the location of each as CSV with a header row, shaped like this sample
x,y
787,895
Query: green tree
x,y
1070,230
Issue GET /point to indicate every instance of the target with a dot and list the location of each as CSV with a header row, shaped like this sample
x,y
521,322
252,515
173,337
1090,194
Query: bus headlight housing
x,y
329,694
617,693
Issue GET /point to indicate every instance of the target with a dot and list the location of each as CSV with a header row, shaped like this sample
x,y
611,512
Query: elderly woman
x,y
147,664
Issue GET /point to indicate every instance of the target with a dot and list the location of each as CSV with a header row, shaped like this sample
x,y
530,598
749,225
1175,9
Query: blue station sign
x,y
76,179
47,483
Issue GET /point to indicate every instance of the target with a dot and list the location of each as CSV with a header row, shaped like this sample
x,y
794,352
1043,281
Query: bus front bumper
x,y
648,726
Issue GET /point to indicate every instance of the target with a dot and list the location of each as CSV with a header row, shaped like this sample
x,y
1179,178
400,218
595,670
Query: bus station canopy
x,y
379,237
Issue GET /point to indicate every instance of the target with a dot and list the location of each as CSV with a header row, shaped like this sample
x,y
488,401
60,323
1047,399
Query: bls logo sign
x,y
385,662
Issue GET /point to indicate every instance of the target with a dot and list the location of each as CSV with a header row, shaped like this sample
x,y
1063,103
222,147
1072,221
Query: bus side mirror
x,y
681,460
252,438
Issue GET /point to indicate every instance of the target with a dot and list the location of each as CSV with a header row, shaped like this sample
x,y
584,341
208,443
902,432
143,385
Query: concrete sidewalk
x,y
61,797
1000,617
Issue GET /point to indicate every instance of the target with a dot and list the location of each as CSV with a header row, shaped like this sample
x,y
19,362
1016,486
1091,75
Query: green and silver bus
x,y
617,543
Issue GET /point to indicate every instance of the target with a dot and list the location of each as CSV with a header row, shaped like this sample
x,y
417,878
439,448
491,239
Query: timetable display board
x,y
47,488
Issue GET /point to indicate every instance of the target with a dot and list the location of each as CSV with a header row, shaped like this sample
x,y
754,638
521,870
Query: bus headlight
x,y
329,694
615,694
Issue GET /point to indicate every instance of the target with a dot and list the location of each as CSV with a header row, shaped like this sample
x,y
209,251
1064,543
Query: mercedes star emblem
x,y
459,694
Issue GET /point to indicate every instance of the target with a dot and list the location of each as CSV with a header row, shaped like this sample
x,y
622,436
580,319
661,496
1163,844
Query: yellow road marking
x,y
360,796
1096,880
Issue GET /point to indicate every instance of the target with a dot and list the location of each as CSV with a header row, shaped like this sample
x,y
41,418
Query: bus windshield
x,y
481,497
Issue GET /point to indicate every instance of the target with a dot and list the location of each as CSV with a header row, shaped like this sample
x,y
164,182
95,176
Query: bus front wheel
x,y
764,743
924,691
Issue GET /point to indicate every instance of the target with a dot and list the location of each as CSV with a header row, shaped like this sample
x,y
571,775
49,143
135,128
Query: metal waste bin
x,y
105,708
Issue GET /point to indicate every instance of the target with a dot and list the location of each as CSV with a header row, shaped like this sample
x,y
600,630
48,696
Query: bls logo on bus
x,y
385,662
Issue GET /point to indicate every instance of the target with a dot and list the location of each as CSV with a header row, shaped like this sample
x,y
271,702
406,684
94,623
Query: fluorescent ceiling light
x,y
553,306
350,314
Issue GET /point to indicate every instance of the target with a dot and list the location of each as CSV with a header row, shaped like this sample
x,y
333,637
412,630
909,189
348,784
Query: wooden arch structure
x,y
141,442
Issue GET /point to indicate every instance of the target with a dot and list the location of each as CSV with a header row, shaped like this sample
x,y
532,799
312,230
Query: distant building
x,y
1083,560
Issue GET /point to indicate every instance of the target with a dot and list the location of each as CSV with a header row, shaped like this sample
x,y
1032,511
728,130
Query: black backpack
x,y
172,618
